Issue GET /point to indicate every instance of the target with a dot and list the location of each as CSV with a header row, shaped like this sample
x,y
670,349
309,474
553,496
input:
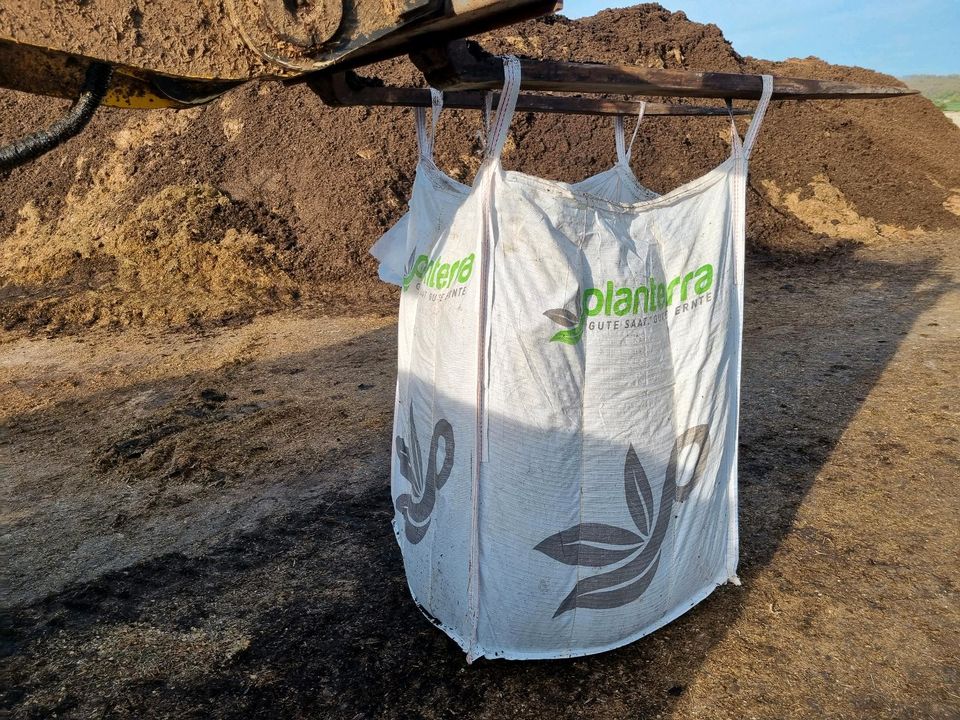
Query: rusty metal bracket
x,y
464,65
350,89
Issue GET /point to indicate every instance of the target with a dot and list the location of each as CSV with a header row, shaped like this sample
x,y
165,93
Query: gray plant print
x,y
417,505
573,322
597,545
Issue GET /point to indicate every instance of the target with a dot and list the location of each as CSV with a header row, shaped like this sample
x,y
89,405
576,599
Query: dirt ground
x,y
197,525
197,368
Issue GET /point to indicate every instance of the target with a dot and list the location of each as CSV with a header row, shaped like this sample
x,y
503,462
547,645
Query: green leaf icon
x,y
570,337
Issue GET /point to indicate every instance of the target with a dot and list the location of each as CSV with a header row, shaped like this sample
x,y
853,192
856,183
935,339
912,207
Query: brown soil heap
x,y
181,37
266,196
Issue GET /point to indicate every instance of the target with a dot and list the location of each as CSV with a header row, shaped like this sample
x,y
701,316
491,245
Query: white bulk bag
x,y
564,468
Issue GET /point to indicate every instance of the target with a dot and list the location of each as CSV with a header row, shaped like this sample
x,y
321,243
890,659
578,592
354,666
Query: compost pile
x,y
266,198
180,37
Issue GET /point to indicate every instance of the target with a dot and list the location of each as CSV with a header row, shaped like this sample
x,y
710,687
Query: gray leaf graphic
x,y
415,531
598,545
587,595
620,576
438,476
638,493
563,317
591,545
403,453
699,436
416,458
417,506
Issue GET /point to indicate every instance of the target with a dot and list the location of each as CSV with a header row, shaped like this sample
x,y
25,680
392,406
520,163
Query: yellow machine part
x,y
60,74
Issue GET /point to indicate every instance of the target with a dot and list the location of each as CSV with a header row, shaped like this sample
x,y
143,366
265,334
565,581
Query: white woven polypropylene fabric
x,y
564,471
436,197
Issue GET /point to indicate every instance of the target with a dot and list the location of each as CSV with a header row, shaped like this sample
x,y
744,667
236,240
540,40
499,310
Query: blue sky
x,y
896,37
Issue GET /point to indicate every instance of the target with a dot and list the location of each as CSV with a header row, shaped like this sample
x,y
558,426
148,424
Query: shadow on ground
x,y
309,615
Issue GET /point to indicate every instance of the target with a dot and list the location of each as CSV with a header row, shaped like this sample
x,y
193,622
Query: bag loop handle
x,y
624,150
425,136
486,114
497,136
744,148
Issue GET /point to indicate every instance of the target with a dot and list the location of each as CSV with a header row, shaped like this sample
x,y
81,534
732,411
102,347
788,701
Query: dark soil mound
x,y
315,187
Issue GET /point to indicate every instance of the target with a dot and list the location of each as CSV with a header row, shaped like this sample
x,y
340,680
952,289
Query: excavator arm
x,y
181,52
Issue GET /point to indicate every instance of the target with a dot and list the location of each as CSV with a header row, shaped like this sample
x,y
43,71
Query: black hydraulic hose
x,y
36,144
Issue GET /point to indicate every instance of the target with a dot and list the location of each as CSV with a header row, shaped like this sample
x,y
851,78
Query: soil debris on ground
x,y
200,526
197,377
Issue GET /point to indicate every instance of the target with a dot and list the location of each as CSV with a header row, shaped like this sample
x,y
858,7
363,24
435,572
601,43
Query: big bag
x,y
565,454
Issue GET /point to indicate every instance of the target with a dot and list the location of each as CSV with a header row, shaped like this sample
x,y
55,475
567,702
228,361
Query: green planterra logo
x,y
439,274
623,301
